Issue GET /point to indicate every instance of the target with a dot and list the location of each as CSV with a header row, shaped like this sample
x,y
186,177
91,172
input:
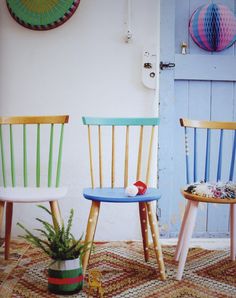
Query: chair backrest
x,y
119,135
210,148
25,137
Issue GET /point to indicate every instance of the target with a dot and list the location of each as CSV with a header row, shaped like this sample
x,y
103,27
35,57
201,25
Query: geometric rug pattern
x,y
125,274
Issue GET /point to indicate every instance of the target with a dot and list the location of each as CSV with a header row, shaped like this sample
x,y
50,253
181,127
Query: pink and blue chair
x,y
212,141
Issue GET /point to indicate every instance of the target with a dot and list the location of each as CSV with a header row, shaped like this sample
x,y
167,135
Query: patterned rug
x,y
125,274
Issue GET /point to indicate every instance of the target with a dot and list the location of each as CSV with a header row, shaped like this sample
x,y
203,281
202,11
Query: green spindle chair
x,y
10,191
114,194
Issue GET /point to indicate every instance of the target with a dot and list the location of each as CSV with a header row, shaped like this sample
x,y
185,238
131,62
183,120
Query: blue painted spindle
x,y
207,160
195,155
231,175
220,156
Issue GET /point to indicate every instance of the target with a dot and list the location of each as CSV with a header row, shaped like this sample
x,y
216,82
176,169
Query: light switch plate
x,y
149,67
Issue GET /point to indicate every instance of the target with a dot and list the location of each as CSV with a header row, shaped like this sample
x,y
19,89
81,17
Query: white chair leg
x,y
181,233
233,231
190,223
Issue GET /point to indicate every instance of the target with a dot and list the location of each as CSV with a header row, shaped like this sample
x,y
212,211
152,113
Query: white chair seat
x,y
31,194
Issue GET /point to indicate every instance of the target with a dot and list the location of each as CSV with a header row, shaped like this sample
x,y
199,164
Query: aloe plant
x,y
57,242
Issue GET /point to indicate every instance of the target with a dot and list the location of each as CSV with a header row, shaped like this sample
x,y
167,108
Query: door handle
x,y
166,65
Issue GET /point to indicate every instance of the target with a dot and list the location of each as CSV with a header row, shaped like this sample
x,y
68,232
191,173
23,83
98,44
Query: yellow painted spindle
x,y
90,157
113,158
100,156
150,156
140,149
126,172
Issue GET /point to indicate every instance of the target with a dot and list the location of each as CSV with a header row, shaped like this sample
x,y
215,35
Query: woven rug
x,y
125,274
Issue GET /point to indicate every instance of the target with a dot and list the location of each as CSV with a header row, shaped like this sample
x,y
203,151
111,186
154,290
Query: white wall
x,y
83,67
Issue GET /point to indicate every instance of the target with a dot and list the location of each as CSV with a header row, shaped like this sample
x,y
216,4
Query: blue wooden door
x,y
202,86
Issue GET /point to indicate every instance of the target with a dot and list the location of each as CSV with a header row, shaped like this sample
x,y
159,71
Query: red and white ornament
x,y
131,190
142,187
138,188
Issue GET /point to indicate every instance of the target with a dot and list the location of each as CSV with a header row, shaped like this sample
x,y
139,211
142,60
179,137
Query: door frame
x,y
165,95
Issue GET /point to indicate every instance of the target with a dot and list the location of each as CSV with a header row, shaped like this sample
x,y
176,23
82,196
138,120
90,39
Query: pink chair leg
x,y
181,233
190,222
233,231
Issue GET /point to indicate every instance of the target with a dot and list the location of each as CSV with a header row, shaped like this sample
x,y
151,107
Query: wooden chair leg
x,y
190,223
155,236
90,231
144,229
56,213
2,205
9,211
233,231
181,233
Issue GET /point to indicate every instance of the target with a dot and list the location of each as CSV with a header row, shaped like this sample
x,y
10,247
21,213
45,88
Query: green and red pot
x,y
65,277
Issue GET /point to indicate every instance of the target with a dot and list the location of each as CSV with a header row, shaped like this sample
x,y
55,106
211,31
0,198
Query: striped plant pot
x,y
65,277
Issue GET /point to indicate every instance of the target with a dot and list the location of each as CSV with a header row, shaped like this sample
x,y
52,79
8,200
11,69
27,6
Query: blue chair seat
x,y
117,195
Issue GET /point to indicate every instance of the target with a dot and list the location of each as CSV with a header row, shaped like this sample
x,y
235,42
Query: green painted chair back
x,y
10,143
111,132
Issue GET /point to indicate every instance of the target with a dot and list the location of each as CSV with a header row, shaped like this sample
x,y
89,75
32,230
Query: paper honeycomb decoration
x,y
213,27
42,14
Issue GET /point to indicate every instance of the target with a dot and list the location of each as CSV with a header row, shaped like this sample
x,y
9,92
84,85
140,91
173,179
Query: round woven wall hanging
x,y
42,14
213,27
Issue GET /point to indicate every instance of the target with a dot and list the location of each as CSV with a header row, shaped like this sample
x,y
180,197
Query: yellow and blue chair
x,y
98,194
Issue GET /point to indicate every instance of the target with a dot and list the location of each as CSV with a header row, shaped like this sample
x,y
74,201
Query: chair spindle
x,y
25,156
195,155
219,165
113,158
38,157
3,158
186,155
90,157
100,156
207,159
193,199
59,156
231,175
50,159
140,150
13,178
126,172
150,156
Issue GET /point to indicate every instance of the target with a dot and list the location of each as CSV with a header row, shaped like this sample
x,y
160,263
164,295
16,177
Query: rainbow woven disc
x,y
213,27
42,14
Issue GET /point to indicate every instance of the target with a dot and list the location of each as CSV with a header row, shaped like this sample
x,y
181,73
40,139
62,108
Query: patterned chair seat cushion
x,y
220,190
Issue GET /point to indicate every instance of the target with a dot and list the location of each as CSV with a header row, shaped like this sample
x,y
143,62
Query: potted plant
x,y
65,274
